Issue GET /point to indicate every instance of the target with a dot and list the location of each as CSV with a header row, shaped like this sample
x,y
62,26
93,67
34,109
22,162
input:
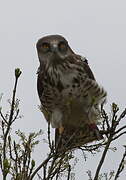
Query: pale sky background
x,y
95,29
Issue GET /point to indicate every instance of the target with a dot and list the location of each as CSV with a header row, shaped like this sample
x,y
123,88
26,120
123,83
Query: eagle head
x,y
52,50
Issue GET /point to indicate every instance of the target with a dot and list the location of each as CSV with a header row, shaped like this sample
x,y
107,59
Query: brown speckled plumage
x,y
69,94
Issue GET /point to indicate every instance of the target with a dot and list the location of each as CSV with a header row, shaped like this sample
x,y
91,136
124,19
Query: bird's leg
x,y
58,138
61,129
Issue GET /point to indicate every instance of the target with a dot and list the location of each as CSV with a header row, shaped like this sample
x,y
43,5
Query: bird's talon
x,y
61,129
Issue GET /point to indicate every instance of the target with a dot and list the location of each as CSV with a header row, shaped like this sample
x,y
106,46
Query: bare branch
x,y
41,165
124,127
16,158
119,135
69,171
49,139
121,166
4,119
102,158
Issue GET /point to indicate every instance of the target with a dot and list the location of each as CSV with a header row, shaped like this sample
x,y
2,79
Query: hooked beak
x,y
54,48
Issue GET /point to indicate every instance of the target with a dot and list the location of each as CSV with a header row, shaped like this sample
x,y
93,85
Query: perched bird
x,y
69,94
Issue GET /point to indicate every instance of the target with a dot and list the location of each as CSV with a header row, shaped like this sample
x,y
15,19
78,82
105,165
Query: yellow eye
x,y
62,46
45,47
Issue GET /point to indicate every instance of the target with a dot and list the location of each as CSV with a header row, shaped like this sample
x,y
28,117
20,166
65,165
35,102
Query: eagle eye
x,y
45,47
62,47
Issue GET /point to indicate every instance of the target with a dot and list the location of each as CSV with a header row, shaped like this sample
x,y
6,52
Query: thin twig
x,y
58,170
51,167
102,158
39,177
10,149
114,124
49,139
119,135
1,165
44,171
41,165
9,124
16,116
121,166
123,114
69,171
120,129
4,119
16,159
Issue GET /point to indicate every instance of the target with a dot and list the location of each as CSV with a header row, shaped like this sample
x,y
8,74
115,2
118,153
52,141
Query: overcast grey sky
x,y
95,29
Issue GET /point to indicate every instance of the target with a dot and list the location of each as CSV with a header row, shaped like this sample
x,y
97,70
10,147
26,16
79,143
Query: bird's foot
x,y
61,130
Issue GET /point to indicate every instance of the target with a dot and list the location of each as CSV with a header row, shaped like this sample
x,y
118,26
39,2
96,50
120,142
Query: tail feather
x,y
73,138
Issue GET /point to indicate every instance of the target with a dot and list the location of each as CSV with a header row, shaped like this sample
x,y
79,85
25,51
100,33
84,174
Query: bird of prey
x,y
69,94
